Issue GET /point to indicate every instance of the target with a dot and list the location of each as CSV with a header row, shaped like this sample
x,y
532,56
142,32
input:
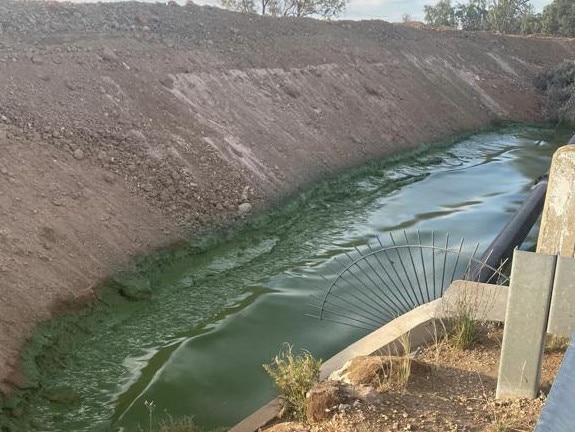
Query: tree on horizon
x,y
289,8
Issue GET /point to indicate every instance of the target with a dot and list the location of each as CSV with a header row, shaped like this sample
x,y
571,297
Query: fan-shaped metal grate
x,y
382,280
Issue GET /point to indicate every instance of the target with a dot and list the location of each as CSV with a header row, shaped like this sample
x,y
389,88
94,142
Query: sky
x,y
392,10
387,10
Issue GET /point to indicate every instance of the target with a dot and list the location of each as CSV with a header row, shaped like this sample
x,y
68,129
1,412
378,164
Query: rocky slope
x,y
126,126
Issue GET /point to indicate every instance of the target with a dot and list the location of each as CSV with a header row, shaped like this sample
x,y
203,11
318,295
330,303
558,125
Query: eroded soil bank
x,y
125,127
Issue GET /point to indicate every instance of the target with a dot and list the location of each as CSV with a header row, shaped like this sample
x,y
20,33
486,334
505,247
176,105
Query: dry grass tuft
x,y
556,343
294,375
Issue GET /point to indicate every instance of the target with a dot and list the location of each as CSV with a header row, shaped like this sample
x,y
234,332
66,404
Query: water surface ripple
x,y
218,313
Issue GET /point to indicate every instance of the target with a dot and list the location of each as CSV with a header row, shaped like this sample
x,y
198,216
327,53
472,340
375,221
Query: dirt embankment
x,y
124,126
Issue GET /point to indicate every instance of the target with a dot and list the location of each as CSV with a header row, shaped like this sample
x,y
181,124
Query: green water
x,y
223,306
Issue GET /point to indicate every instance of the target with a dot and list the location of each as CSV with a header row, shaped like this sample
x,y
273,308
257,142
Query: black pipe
x,y
512,235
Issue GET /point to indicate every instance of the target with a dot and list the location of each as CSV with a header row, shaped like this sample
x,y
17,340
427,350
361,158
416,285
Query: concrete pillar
x,y
525,324
557,237
562,312
557,233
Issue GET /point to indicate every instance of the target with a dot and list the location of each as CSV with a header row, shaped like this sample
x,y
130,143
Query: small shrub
x,y
294,376
463,333
558,84
467,309
561,75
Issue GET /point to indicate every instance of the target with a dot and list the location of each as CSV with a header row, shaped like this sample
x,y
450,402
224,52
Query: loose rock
x,y
79,154
323,398
245,193
244,208
108,54
108,178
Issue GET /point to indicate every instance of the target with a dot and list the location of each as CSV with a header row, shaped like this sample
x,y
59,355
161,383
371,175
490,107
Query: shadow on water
x,y
221,307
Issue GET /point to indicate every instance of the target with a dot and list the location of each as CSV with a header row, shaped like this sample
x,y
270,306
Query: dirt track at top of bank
x,y
125,127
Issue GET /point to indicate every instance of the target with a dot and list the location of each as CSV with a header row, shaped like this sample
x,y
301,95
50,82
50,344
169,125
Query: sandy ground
x,y
124,127
455,394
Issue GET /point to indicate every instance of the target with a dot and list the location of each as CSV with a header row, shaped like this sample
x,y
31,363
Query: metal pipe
x,y
512,235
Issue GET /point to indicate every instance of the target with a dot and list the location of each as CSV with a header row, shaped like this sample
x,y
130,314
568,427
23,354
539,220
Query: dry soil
x,y
456,395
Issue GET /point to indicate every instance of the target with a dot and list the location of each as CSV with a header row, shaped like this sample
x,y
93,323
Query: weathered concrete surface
x,y
487,301
525,324
557,237
421,323
260,418
557,234
562,312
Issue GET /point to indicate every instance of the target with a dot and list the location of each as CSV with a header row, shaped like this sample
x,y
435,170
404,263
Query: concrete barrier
x,y
526,317
562,312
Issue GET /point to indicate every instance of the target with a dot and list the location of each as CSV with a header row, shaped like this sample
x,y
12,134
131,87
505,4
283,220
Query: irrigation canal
x,y
223,306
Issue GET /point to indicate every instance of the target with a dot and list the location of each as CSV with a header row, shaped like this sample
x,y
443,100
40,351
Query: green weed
x,y
294,376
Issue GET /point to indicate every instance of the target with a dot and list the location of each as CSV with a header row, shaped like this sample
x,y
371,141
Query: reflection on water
x,y
196,348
